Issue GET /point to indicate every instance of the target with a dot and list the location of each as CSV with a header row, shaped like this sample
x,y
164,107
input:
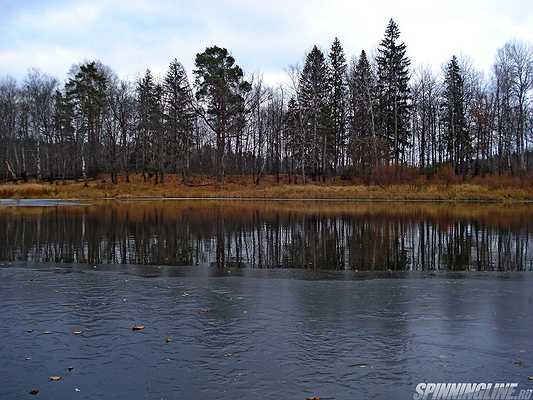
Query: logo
x,y
471,391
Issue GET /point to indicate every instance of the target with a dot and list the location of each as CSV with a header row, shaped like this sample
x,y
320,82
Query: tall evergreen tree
x,y
87,89
178,116
313,99
64,131
394,94
363,141
337,105
456,137
149,128
220,89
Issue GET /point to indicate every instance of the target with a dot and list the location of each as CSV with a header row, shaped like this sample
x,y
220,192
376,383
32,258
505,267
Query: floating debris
x,y
185,294
168,339
55,378
77,333
77,390
34,392
47,332
530,378
313,398
138,328
204,310
70,369
29,330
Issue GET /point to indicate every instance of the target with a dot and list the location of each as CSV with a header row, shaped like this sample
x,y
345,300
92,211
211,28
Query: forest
x,y
369,118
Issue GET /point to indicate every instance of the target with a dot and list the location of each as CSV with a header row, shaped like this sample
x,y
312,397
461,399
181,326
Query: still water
x,y
258,300
330,236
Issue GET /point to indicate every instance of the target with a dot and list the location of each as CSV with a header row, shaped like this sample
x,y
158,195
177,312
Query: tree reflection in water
x,y
329,236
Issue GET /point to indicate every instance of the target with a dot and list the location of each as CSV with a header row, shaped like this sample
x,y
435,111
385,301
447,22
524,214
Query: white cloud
x,y
42,57
267,36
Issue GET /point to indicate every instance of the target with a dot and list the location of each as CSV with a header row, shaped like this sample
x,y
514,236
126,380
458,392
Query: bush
x,y
445,175
384,175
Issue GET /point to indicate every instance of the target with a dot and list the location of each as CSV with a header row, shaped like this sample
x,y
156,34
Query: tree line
x,y
336,118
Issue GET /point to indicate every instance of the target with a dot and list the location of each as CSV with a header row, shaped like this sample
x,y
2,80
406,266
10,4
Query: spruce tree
x,y
178,116
456,137
313,98
148,128
337,104
394,93
87,90
363,141
63,120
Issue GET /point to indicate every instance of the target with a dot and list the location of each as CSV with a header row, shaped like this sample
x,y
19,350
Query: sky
x,y
264,36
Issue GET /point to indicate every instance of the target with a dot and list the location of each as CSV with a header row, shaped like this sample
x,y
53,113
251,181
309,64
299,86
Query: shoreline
x,y
86,201
243,189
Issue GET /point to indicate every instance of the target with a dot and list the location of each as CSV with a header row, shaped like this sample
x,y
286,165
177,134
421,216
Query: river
x,y
262,300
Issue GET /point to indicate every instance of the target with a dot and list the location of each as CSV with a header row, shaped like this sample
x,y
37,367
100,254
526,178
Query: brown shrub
x,y
445,175
384,175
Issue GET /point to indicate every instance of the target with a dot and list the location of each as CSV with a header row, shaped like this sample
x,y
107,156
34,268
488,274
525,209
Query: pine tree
x,y
363,141
337,104
394,94
178,116
456,137
313,97
220,90
87,89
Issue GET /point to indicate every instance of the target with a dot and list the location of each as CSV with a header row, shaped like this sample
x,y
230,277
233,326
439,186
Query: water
x,y
242,323
324,236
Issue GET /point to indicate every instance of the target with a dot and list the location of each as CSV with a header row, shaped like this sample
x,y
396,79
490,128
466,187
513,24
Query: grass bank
x,y
269,188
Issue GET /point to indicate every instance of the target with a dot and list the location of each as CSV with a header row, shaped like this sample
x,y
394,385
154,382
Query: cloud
x,y
266,36
42,57
72,17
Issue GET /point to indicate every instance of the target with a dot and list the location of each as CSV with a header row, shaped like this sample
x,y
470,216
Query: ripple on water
x,y
254,337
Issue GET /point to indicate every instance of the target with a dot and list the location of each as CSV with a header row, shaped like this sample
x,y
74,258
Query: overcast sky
x,y
263,35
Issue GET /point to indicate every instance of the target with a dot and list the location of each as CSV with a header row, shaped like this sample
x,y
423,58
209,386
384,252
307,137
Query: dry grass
x,y
27,190
490,189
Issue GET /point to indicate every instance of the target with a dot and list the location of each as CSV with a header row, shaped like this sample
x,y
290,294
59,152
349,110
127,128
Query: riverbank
x,y
269,188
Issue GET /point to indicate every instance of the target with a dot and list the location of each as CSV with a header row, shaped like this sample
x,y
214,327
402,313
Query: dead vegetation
x,y
440,187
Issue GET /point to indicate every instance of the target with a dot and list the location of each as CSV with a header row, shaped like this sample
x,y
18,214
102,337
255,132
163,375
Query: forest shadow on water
x,y
329,236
